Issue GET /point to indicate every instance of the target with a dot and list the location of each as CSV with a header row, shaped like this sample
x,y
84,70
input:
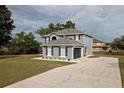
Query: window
x,y
71,38
61,36
74,37
79,37
54,38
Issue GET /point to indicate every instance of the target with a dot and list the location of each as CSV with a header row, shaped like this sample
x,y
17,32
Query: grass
x,y
15,68
121,63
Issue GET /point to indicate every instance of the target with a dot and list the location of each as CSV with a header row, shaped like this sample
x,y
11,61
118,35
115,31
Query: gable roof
x,y
97,41
63,42
69,31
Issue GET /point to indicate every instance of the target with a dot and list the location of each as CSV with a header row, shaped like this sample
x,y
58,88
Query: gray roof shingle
x,y
69,31
97,41
63,42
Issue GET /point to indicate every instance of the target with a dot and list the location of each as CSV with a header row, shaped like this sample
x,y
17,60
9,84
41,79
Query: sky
x,y
102,22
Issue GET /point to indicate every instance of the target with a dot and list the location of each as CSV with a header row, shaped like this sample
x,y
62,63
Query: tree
x,y
31,45
55,27
24,43
70,24
43,31
51,26
118,43
6,26
59,26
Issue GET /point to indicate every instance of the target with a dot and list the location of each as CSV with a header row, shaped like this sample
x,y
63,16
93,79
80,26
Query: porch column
x,y
82,52
72,52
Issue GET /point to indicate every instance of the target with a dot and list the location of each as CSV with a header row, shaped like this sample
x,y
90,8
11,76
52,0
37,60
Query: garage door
x,y
77,53
56,52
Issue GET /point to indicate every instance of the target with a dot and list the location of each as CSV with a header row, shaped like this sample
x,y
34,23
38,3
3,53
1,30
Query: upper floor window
x,y
45,39
74,37
79,37
71,38
61,36
54,38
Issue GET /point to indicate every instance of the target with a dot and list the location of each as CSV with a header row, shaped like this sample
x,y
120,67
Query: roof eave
x,y
63,45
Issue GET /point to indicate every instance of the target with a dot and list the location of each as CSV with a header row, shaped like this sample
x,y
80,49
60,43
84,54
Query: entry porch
x,y
63,52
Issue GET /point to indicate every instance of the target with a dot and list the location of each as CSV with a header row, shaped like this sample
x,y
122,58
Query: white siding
x,y
82,52
43,40
72,53
81,39
44,51
77,37
47,39
72,37
88,43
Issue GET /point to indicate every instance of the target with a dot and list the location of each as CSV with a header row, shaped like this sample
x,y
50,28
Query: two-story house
x,y
99,45
66,44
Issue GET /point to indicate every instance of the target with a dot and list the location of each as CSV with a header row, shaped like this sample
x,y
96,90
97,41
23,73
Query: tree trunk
x,y
0,49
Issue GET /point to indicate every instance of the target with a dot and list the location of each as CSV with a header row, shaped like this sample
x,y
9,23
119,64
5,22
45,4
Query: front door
x,y
55,52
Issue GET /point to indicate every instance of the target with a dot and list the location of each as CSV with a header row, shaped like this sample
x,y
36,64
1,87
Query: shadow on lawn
x,y
8,56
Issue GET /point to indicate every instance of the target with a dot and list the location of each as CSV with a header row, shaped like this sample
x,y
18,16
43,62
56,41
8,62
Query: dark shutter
x,y
74,37
45,39
66,51
52,51
46,50
59,51
49,39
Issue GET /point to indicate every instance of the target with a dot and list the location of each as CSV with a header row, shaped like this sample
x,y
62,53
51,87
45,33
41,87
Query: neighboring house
x,y
99,45
66,44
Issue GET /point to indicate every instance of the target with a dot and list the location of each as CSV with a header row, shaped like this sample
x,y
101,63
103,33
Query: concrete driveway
x,y
92,72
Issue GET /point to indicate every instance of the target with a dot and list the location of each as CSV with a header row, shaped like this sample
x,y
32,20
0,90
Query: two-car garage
x,y
57,52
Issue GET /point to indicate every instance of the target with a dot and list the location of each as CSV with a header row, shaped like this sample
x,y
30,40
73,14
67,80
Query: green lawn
x,y
16,68
121,63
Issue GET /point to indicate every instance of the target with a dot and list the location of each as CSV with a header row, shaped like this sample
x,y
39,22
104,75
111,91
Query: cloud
x,y
102,22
